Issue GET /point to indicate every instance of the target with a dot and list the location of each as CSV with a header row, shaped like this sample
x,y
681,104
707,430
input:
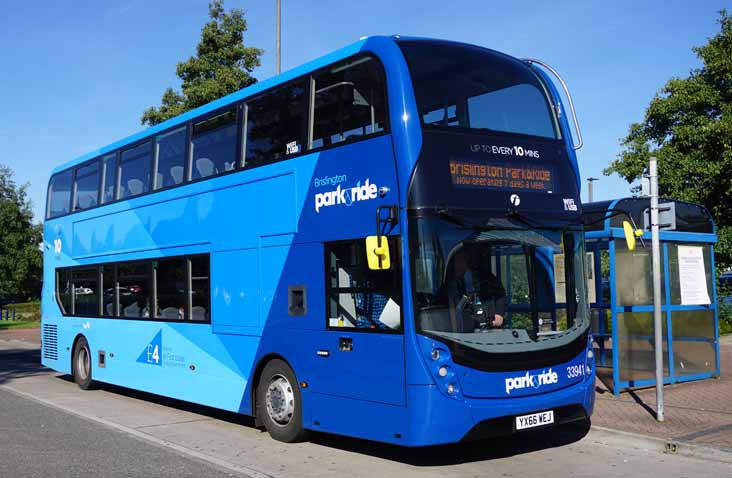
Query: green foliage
x,y
724,310
688,127
222,65
19,324
21,261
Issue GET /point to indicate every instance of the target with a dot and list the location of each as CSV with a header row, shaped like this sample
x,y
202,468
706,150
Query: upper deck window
x,y
350,102
59,194
171,155
86,191
214,145
108,165
134,171
275,125
461,86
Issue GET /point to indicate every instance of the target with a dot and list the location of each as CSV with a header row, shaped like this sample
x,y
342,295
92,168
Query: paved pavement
x,y
32,336
695,412
231,443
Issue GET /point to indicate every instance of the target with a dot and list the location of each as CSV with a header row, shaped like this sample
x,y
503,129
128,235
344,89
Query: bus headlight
x,y
435,354
451,388
442,371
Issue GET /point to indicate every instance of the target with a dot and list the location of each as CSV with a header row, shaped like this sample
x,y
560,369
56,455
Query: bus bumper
x,y
437,419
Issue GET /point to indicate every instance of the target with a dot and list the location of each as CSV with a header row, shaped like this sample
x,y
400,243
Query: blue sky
x,y
76,75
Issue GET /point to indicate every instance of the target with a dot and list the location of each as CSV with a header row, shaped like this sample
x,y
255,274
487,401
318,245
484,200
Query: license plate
x,y
534,420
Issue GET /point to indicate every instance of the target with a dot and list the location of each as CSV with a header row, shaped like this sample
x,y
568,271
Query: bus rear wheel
x,y
81,362
279,403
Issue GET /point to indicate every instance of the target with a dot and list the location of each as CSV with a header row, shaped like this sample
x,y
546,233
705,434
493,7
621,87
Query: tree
x,y
688,127
222,65
21,261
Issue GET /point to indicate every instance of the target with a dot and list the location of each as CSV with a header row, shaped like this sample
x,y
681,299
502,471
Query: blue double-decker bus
x,y
385,243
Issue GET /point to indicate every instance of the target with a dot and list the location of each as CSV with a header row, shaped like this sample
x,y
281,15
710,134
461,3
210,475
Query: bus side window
x,y
133,285
170,281
109,176
275,125
86,291
134,171
357,296
59,194
86,186
170,150
63,290
200,288
350,102
213,145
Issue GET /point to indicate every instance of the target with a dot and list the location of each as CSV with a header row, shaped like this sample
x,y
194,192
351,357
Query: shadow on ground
x,y
20,363
482,450
502,447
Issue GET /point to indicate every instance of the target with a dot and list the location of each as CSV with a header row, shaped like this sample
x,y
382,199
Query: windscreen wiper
x,y
445,214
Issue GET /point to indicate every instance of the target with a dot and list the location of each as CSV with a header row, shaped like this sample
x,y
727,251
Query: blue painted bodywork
x,y
263,233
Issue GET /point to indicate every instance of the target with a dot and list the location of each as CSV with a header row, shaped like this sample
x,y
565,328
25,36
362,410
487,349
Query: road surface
x,y
51,428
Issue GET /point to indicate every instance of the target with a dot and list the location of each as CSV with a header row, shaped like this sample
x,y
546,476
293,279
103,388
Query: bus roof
x,y
283,77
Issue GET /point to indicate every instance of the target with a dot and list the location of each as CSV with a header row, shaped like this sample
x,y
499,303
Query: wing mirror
x,y
377,252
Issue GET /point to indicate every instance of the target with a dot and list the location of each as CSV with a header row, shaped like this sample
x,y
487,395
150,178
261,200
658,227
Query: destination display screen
x,y
508,175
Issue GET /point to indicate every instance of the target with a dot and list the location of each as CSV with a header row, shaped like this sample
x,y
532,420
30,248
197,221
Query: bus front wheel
x,y
82,368
279,403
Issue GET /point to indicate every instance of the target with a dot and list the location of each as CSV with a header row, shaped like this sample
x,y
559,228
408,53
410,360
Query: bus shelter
x,y
621,292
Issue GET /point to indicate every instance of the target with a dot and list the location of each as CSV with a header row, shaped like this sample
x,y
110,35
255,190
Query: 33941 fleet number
x,y
574,371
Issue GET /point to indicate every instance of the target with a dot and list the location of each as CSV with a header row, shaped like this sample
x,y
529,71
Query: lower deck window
x,y
170,289
200,289
358,297
134,290
86,291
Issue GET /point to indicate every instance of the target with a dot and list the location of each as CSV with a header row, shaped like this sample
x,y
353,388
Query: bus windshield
x,y
465,87
498,290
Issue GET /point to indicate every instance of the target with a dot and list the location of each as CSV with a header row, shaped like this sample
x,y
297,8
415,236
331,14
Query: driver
x,y
486,297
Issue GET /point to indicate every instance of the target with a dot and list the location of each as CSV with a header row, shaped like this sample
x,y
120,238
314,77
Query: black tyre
x,y
82,364
279,403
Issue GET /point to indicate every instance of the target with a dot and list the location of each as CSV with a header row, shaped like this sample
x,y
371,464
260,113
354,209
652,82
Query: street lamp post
x,y
590,180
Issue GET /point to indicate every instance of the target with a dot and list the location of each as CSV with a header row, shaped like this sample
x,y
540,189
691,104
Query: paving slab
x,y
698,412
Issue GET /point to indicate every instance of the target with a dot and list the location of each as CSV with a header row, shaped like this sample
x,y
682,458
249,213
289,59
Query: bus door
x,y
360,355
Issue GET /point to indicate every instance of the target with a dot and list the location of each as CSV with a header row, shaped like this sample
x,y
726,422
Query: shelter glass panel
x,y
693,342
633,276
636,355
